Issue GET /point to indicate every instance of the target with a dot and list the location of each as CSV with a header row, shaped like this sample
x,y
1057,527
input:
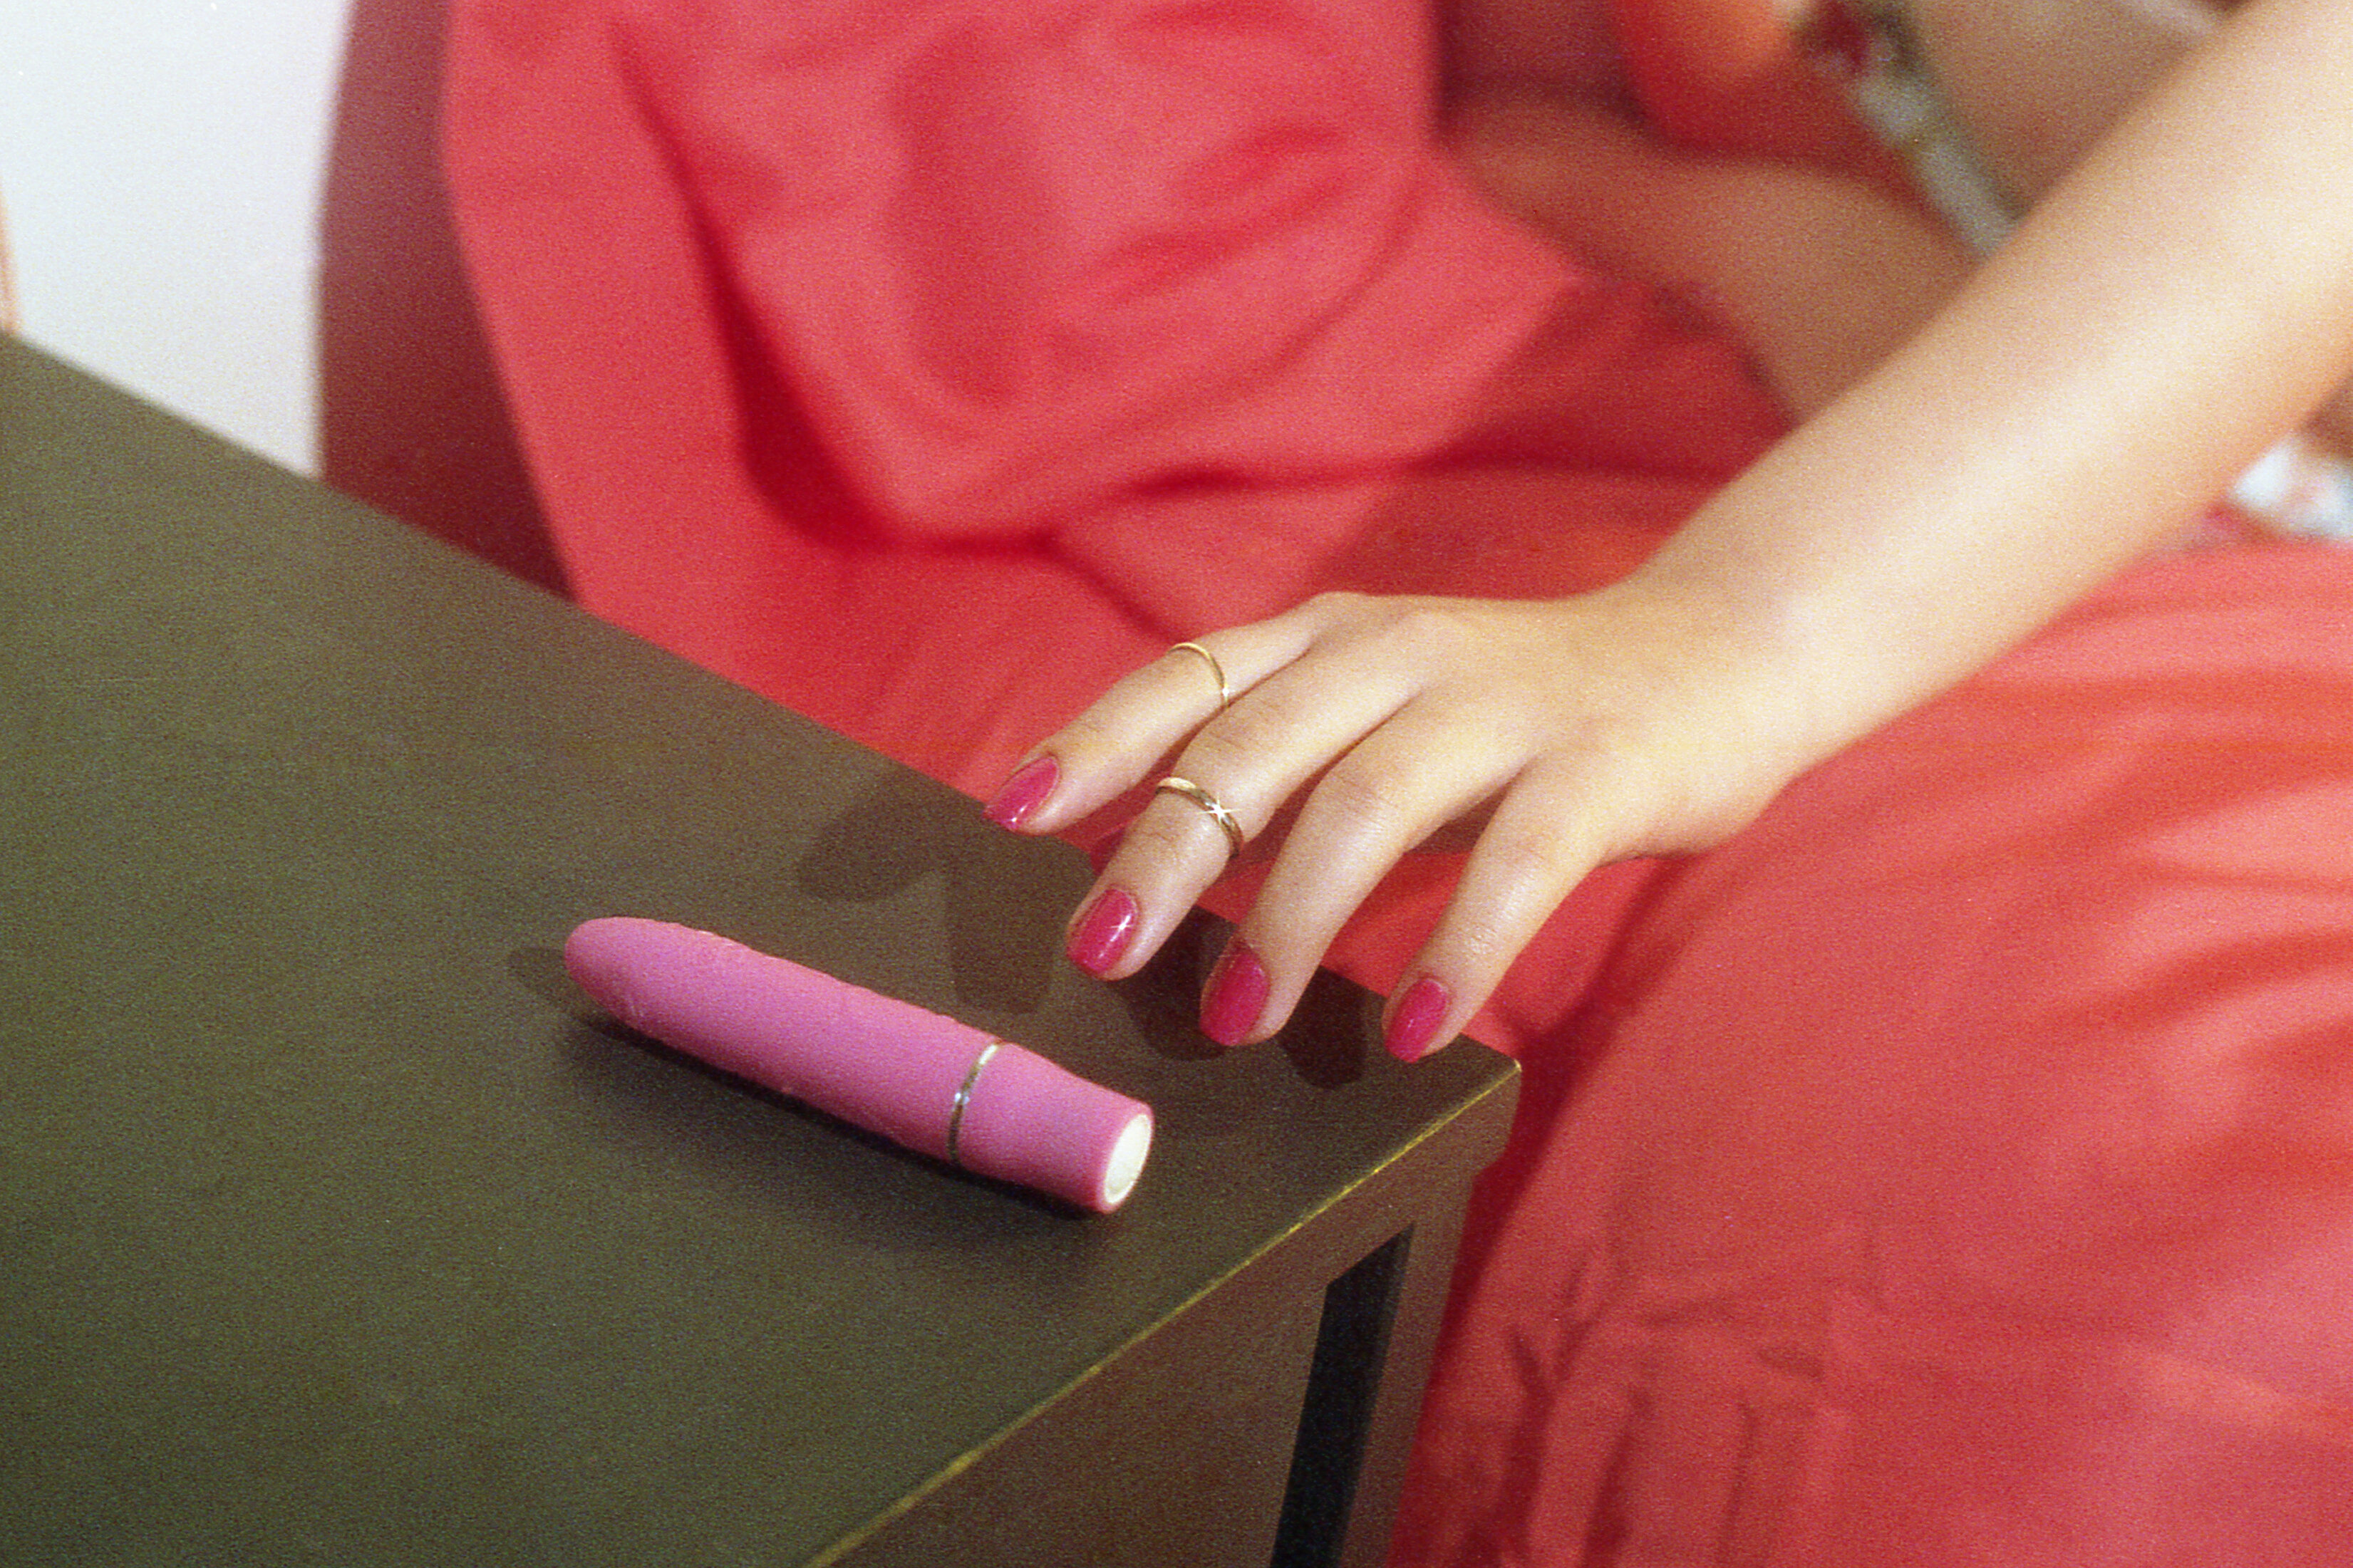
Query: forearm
x,y
2182,300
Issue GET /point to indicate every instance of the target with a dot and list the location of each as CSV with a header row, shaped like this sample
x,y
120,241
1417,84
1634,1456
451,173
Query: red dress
x,y
1955,1168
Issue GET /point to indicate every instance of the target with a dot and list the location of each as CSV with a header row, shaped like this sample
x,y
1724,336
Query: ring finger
x,y
1227,784
1412,775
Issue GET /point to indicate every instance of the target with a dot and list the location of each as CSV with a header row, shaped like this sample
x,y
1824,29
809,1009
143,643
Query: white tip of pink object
x,y
923,1080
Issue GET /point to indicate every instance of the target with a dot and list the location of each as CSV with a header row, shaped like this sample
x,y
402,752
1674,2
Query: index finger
x,y
1144,720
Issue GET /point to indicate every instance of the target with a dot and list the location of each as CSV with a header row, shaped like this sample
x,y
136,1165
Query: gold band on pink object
x,y
963,1099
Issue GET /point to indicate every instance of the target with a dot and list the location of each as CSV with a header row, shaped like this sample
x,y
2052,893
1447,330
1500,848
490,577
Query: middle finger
x,y
1424,767
1247,763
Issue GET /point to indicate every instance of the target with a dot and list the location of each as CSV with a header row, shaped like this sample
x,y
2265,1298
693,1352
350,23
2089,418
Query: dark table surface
x,y
336,1226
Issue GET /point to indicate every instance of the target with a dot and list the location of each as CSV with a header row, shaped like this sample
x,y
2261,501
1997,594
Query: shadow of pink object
x,y
924,1081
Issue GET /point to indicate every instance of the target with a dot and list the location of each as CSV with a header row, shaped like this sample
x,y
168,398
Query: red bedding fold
x,y
1021,260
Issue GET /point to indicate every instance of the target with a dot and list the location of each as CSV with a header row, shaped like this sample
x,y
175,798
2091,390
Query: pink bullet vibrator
x,y
925,1081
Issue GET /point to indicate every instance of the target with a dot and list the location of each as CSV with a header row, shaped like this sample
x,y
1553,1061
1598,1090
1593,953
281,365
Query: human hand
x,y
1563,734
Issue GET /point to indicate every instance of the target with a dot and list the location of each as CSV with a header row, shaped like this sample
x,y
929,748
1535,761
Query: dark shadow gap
x,y
1344,1382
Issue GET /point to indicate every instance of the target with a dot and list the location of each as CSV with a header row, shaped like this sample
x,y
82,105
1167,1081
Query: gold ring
x,y
1208,802
1217,672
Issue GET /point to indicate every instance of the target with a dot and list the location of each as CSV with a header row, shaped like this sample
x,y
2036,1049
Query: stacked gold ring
x,y
1208,802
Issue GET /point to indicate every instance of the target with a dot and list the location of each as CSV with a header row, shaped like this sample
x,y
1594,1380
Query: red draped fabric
x,y
1956,1168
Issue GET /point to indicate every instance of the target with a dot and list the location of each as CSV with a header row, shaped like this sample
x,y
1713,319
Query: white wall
x,y
163,162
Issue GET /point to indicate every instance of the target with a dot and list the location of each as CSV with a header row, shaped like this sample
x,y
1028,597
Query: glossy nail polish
x,y
1235,997
1103,932
1413,1027
1025,792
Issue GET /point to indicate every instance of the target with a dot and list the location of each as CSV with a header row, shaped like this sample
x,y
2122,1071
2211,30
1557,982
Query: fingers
x,y
1546,837
1239,769
1551,825
1141,722
1337,718
1351,729
1421,769
1356,730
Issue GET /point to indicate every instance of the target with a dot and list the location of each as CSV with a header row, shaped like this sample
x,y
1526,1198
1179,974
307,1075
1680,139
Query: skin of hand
x,y
1570,732
2181,299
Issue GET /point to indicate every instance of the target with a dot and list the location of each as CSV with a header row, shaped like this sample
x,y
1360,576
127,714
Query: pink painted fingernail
x,y
1413,1027
1235,997
1025,792
1103,931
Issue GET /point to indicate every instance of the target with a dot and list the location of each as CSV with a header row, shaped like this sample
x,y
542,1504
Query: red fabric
x,y
937,325
1958,1167
1955,1168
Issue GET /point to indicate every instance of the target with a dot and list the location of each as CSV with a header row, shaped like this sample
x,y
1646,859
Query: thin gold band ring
x,y
1217,672
1208,802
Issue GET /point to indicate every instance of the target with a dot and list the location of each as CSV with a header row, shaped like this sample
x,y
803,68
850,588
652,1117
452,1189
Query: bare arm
x,y
2182,299
2178,302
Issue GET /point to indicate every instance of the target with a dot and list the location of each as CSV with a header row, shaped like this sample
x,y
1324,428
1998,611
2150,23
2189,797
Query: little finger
x,y
1546,837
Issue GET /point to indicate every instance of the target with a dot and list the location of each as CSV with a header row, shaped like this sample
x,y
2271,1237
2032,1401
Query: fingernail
x,y
1413,1027
1024,792
1103,931
1236,995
